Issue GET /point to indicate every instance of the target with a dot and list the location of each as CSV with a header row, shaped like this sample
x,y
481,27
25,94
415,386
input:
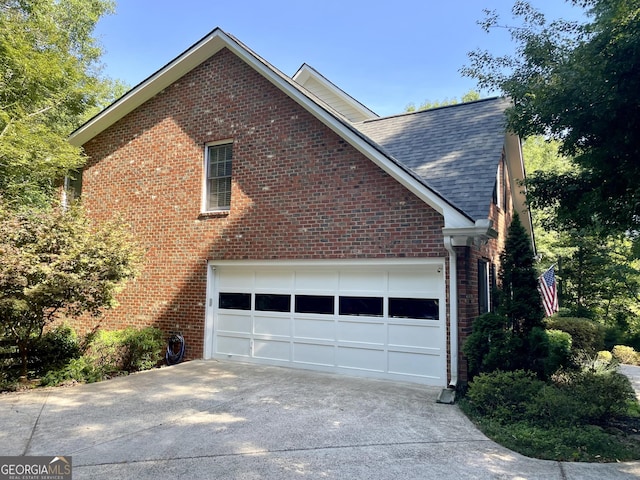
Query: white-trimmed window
x,y
71,188
217,189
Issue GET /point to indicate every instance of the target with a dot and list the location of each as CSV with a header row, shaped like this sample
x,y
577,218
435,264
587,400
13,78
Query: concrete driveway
x,y
223,420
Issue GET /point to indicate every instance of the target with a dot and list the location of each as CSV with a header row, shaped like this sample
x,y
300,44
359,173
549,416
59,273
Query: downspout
x,y
453,310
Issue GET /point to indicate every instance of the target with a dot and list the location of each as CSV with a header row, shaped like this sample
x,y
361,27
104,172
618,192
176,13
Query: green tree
x,y
470,96
519,298
599,275
579,84
54,263
49,84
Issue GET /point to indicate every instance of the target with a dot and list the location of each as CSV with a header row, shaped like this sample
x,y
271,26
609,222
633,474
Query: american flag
x,y
549,291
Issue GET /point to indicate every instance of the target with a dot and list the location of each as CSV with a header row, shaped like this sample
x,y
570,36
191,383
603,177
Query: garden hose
x,y
175,349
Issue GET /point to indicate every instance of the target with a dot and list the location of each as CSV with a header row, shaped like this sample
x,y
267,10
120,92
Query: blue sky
x,y
386,54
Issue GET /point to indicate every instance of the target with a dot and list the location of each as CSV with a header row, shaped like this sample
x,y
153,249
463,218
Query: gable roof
x,y
454,149
368,139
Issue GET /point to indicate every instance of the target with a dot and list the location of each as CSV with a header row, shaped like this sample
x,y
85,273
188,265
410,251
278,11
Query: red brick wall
x,y
298,191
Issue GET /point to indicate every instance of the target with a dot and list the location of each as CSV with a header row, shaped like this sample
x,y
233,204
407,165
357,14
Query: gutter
x,y
477,234
453,310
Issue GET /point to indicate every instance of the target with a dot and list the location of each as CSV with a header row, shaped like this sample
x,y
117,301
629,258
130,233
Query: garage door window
x,y
322,304
235,301
365,306
420,308
269,302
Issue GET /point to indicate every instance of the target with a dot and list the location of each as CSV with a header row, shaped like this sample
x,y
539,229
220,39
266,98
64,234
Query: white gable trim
x,y
332,95
209,46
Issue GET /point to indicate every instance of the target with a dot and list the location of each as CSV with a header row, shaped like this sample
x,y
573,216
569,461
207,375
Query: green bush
x,y
127,350
601,392
489,346
625,354
586,335
605,356
503,395
54,349
78,369
110,353
558,351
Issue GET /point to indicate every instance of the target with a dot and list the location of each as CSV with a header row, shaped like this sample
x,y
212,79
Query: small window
x,y
71,188
268,302
484,287
323,304
420,308
235,301
218,168
366,306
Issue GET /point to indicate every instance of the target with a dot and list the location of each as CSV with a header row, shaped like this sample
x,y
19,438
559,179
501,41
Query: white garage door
x,y
378,320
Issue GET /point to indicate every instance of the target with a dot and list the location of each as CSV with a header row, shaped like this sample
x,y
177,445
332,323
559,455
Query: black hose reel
x,y
175,349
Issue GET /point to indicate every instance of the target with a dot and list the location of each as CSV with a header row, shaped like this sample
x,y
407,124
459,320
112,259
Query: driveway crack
x,y
35,425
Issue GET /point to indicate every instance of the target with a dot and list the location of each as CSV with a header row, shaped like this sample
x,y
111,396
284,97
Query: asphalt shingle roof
x,y
455,150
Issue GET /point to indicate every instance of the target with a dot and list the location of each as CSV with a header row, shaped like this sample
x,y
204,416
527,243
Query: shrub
x,y
625,354
585,334
605,356
503,395
127,350
601,392
487,348
54,349
559,351
600,396
144,348
79,369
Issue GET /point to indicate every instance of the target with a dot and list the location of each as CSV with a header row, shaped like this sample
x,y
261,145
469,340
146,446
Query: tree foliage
x,y
55,262
599,275
520,301
579,84
49,83
470,96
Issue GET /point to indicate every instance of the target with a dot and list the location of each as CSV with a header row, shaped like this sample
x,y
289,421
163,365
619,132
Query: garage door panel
x,y
361,358
314,354
314,328
227,345
410,281
318,281
274,280
267,325
360,281
272,350
235,280
362,332
405,363
234,323
421,336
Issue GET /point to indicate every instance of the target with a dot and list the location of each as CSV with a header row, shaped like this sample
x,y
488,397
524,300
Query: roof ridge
x,y
428,110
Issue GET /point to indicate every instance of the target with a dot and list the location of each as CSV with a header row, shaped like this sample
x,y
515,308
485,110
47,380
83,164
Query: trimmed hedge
x,y
586,335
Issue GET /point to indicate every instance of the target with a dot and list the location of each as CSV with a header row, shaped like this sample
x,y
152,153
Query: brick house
x,y
285,223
